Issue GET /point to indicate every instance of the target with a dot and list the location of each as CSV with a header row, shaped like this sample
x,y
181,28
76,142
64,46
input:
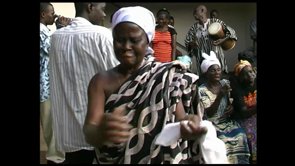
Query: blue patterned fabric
x,y
44,60
228,130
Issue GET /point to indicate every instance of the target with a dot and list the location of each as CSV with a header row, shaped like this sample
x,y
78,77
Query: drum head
x,y
215,31
214,28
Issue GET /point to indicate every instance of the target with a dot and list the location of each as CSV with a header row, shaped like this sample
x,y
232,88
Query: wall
x,y
236,15
64,9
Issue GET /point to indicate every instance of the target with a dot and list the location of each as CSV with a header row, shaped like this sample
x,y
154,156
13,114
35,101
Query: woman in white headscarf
x,y
129,105
214,95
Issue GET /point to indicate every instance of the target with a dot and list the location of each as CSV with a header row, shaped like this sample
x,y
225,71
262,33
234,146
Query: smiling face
x,y
163,18
130,44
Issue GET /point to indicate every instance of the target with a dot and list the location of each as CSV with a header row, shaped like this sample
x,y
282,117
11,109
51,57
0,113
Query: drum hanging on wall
x,y
216,32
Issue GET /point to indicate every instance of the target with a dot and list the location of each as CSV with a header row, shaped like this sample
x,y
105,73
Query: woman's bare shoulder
x,y
103,77
106,80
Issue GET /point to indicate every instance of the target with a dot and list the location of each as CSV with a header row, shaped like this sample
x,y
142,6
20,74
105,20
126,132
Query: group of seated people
x,y
231,106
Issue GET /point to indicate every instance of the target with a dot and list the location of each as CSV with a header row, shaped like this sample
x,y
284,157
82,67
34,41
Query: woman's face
x,y
247,75
214,73
130,44
162,19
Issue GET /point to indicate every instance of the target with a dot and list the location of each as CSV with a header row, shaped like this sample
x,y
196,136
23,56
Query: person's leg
x,y
80,157
46,122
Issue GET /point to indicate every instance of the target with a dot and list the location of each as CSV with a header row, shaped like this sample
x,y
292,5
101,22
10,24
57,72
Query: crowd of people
x,y
107,93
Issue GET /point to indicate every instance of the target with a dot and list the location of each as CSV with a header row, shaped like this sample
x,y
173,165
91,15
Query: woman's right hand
x,y
115,126
192,130
228,111
62,21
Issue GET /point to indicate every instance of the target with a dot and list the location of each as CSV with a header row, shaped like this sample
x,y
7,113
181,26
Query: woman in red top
x,y
164,42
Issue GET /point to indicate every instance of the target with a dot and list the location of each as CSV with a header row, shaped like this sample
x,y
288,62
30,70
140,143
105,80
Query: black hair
x,y
43,6
246,55
111,17
212,11
171,17
80,7
164,10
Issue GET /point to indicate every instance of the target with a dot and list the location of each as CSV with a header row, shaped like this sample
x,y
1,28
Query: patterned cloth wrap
x,y
150,96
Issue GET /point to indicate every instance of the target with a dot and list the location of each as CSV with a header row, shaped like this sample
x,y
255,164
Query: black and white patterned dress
x,y
151,96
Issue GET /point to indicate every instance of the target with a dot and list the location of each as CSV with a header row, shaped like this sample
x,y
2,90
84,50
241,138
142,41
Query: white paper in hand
x,y
169,134
213,149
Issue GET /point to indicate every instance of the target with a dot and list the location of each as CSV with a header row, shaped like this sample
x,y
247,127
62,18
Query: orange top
x,y
162,46
250,100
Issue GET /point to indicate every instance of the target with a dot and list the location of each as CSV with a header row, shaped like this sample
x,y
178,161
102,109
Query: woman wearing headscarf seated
x,y
129,105
244,95
214,94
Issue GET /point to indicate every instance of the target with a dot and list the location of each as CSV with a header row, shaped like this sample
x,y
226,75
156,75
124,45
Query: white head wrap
x,y
209,61
138,15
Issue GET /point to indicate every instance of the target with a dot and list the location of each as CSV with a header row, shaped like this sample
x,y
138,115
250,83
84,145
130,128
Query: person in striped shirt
x,y
78,51
197,39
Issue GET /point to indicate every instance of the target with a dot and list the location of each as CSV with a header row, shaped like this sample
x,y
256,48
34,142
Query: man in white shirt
x,y
78,51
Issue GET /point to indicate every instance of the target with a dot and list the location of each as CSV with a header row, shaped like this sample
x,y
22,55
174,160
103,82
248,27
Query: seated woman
x,y
244,94
214,94
129,105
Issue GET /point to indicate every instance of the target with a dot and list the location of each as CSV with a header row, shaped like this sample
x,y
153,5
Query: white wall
x,y
64,9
